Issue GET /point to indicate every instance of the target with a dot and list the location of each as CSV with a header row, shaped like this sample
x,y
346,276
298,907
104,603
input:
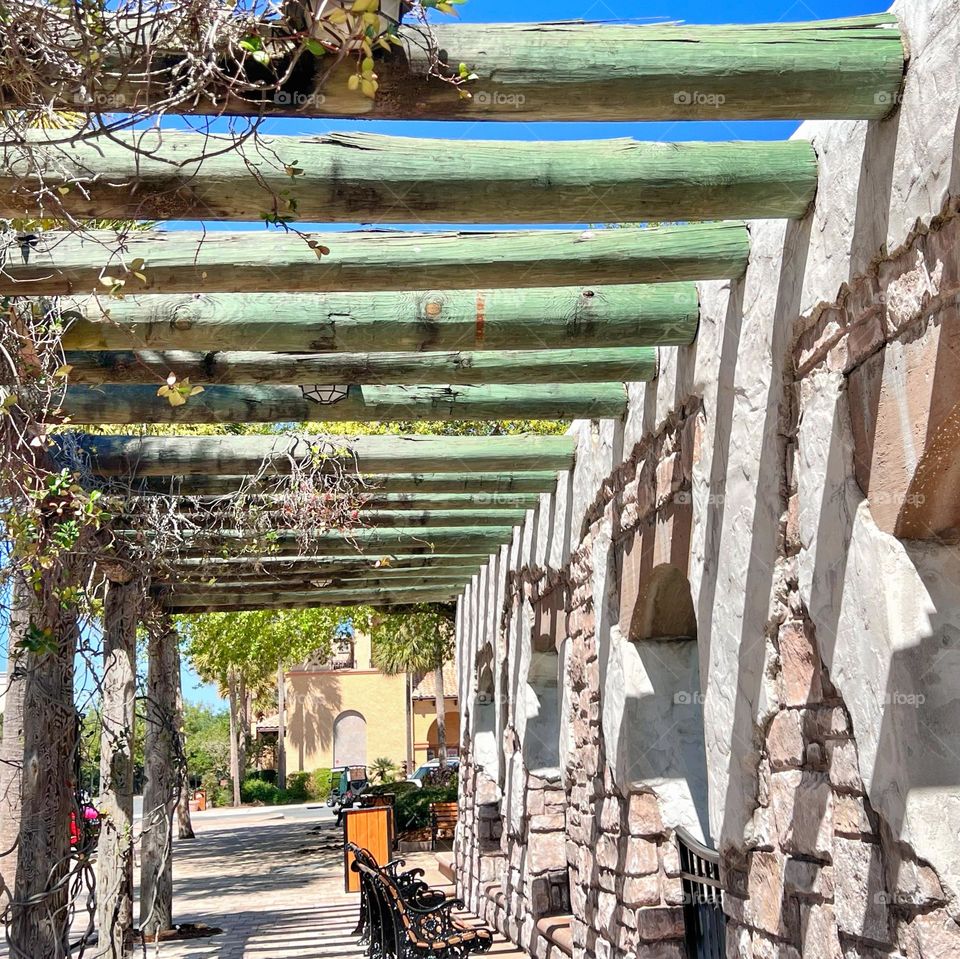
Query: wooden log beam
x,y
213,600
373,518
474,367
479,483
367,404
315,600
185,262
323,565
375,500
546,318
140,456
575,71
451,571
438,578
370,178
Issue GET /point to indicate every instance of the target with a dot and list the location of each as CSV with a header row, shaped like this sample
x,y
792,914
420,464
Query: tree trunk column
x,y
121,614
281,728
11,747
441,707
234,735
162,788
39,915
184,822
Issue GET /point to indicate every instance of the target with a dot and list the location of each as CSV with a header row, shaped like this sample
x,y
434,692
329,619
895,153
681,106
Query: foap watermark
x,y
697,98
687,697
884,98
486,98
109,101
291,98
897,697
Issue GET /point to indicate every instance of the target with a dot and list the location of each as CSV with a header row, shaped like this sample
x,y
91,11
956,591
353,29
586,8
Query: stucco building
x,y
738,619
341,711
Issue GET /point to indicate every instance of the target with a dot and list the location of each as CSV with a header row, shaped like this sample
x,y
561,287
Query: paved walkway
x,y
276,890
274,886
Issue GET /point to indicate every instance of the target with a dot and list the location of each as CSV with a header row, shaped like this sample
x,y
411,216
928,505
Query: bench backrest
x,y
444,812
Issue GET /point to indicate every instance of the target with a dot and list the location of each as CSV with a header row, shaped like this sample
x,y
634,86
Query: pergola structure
x,y
422,326
530,324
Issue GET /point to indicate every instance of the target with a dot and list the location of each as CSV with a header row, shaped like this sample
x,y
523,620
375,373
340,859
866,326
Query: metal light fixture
x,y
325,395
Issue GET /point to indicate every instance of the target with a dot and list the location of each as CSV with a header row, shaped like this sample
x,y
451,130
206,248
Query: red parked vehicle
x,y
83,838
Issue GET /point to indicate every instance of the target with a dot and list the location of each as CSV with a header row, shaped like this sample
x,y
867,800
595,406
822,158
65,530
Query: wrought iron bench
x,y
443,819
414,923
407,880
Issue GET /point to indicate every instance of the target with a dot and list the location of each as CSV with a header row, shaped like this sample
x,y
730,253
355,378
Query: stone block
x,y
610,815
546,851
641,891
641,857
850,816
819,931
670,858
802,807
917,884
608,853
643,815
657,923
860,898
843,765
808,879
785,746
799,666
763,908
934,935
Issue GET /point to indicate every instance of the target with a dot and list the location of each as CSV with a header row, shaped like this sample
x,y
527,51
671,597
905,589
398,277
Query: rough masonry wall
x,y
794,467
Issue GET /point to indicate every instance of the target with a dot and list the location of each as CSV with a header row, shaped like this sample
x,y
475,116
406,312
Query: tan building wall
x,y
315,697
425,730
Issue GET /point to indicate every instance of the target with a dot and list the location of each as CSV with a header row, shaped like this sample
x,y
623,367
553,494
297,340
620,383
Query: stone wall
x,y
752,588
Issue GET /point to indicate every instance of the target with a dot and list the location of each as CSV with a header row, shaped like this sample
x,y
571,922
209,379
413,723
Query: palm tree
x,y
420,641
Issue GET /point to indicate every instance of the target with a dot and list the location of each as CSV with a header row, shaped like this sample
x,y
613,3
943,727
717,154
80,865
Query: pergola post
x,y
11,746
161,789
281,727
39,914
121,614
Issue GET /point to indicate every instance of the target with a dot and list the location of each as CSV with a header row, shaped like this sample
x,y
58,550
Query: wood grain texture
x,y
245,262
473,367
286,404
133,456
212,600
370,178
374,500
576,71
481,483
419,321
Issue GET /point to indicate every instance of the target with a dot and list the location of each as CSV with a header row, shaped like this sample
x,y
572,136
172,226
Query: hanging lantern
x,y
325,395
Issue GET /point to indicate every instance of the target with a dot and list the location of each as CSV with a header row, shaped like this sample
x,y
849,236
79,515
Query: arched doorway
x,y
350,739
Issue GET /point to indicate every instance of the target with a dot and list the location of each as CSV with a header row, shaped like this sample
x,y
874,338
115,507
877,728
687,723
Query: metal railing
x,y
703,918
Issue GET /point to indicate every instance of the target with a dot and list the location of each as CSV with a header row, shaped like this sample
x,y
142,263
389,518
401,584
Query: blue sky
x,y
691,11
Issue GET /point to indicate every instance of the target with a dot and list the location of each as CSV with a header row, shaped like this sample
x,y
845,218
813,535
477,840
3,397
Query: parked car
x,y
83,838
431,765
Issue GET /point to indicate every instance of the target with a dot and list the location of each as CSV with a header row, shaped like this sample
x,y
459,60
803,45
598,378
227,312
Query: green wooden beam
x,y
140,456
186,262
376,518
463,540
380,563
353,596
376,500
316,599
479,483
618,316
365,582
850,68
476,368
287,404
370,178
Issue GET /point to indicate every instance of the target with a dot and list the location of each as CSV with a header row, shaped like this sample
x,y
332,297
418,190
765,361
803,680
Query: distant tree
x,y
419,641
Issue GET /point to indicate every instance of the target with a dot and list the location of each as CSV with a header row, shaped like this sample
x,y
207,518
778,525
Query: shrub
x,y
266,775
257,791
298,787
320,784
412,808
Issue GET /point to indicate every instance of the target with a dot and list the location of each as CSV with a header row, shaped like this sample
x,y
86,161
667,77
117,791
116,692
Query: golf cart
x,y
347,783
